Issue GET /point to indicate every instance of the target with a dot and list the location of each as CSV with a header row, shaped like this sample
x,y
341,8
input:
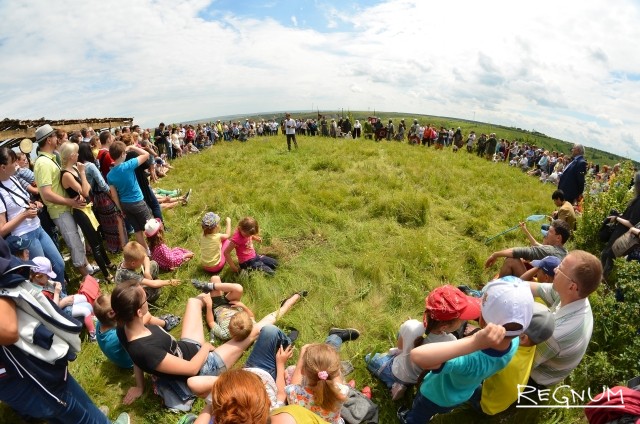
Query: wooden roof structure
x,y
12,131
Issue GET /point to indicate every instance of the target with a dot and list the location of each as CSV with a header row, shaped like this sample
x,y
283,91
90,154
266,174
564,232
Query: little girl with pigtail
x,y
316,383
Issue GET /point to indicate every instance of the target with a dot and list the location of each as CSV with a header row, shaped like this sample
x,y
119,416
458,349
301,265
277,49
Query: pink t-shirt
x,y
244,247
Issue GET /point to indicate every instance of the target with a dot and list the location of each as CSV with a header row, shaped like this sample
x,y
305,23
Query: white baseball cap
x,y
508,300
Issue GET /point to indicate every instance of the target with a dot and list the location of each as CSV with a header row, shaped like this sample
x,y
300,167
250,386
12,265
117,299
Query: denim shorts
x,y
214,365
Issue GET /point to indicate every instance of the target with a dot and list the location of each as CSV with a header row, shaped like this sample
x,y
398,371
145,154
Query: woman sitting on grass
x,y
156,352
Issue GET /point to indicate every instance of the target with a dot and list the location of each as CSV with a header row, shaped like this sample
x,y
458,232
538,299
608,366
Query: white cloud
x,y
555,67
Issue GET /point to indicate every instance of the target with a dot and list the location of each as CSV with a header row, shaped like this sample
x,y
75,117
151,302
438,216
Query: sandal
x,y
301,293
171,321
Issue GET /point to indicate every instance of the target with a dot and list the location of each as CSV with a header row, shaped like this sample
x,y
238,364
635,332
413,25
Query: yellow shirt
x,y
300,414
210,249
501,389
47,173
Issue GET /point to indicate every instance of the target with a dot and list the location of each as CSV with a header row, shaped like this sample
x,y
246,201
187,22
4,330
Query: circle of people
x,y
516,341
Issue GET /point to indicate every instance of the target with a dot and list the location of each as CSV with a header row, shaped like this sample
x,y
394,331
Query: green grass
x,y
368,228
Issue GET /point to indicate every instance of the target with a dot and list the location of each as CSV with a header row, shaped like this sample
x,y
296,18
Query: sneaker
x,y
185,199
402,414
123,419
347,368
397,391
346,334
170,321
92,269
205,287
92,337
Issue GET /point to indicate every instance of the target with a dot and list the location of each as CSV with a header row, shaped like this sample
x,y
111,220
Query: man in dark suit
x,y
572,179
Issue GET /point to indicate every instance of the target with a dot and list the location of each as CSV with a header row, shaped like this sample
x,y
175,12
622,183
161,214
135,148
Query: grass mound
x,y
368,228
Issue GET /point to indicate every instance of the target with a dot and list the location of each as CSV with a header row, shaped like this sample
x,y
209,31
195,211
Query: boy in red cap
x,y
445,309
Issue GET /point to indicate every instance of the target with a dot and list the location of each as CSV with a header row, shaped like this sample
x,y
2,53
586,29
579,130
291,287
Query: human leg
x,y
512,266
287,304
94,240
264,351
69,230
51,252
422,410
192,321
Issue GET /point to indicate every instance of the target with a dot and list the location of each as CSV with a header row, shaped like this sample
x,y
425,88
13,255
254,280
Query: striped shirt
x,y
558,356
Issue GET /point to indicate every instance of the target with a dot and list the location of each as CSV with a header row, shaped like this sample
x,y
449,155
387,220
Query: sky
x,y
569,69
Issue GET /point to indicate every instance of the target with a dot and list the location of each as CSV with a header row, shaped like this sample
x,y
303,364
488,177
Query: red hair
x,y
239,396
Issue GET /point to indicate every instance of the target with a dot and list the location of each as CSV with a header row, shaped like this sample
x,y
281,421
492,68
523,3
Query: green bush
x,y
613,352
597,207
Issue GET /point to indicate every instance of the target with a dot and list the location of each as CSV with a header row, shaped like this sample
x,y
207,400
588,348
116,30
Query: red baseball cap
x,y
446,303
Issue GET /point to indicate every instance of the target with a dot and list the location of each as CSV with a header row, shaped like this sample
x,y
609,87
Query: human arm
x,y
136,391
208,304
281,362
532,240
296,378
143,154
115,197
621,220
205,416
239,304
7,227
48,195
433,355
156,284
9,328
256,238
84,183
227,256
177,366
56,295
506,253
228,230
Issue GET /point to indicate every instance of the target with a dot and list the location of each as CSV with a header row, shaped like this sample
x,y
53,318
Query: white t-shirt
x,y
290,126
16,205
402,367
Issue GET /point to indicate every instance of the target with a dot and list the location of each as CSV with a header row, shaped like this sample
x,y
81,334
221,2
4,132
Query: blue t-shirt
x,y
111,347
123,178
455,382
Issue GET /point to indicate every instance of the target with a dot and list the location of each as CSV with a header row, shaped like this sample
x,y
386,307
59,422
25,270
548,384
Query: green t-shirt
x,y
47,173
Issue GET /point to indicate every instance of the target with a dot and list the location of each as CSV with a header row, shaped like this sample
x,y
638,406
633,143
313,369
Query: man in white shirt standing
x,y
290,127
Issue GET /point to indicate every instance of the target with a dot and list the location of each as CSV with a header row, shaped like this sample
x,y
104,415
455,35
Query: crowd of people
x,y
93,191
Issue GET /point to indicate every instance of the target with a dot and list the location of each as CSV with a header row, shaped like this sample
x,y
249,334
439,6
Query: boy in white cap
x,y
458,367
501,389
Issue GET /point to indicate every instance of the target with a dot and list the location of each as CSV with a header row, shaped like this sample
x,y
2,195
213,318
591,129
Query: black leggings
x,y
94,239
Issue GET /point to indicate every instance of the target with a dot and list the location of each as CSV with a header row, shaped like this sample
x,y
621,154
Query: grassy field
x,y
368,228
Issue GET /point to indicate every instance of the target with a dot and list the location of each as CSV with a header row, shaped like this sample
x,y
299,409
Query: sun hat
x,y
542,324
446,303
548,264
43,132
508,300
152,227
210,220
43,266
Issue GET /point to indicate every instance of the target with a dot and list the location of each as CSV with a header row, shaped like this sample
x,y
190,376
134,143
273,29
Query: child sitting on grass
x,y
74,305
137,266
106,330
500,390
242,242
446,308
213,243
168,259
461,365
229,318
321,390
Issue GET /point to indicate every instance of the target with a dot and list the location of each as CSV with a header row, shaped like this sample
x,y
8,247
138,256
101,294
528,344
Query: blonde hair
x,y
102,308
322,358
240,326
133,251
66,150
239,396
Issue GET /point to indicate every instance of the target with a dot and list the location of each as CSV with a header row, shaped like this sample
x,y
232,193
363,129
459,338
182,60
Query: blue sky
x,y
568,69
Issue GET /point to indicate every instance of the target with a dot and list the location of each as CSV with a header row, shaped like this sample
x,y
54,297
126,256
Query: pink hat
x,y
43,266
152,227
